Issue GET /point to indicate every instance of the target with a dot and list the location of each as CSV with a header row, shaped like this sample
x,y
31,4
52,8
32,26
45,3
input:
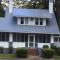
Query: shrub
x,y
58,51
55,48
45,46
1,49
10,50
21,52
47,53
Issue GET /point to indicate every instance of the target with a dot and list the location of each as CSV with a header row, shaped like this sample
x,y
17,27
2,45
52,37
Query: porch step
x,y
32,51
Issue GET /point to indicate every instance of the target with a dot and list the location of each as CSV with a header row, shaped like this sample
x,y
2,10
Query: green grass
x,y
57,58
7,56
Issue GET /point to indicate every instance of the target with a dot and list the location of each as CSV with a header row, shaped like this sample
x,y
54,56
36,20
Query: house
x,y
30,28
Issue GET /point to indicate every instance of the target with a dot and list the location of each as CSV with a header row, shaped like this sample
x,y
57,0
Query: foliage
x,y
10,50
1,49
21,52
57,50
47,53
45,46
2,12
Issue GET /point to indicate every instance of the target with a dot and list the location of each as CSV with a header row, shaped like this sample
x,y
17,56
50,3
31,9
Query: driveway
x,y
29,58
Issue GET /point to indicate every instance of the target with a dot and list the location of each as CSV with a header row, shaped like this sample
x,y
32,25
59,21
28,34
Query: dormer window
x,y
41,21
31,21
36,21
22,20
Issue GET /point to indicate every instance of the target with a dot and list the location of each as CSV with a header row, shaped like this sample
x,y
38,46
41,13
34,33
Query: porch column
x,y
10,37
52,39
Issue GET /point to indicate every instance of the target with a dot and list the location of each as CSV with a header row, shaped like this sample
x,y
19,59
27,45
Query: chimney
x,y
51,6
10,6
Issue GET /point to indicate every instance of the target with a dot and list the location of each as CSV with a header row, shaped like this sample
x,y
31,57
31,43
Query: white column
x,y
34,41
10,37
50,6
28,40
52,39
10,6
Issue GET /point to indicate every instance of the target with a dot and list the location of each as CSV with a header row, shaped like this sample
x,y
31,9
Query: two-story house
x,y
30,28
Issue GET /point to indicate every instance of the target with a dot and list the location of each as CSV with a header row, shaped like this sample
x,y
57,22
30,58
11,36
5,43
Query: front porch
x,y
18,40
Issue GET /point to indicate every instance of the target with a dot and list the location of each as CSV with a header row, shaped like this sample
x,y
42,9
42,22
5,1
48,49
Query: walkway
x,y
29,58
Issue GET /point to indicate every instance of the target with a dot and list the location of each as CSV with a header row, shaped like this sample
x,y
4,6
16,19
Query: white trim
x,y
52,39
10,37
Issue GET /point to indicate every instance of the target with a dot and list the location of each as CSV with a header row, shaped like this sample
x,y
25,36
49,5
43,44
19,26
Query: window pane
x,y
36,38
36,21
40,38
14,37
22,20
22,37
18,37
56,39
26,37
3,36
48,38
7,36
44,38
31,19
41,21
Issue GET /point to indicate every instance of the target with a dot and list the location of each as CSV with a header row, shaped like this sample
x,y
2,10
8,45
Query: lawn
x,y
57,58
7,56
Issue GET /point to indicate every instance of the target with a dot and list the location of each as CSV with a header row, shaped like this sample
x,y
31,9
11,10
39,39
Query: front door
x,y
31,42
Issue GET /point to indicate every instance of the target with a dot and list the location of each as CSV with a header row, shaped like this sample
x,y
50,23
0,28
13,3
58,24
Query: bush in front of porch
x,y
21,52
57,50
47,52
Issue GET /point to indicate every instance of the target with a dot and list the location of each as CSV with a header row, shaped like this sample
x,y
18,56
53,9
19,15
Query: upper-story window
x,y
22,20
36,21
41,21
31,21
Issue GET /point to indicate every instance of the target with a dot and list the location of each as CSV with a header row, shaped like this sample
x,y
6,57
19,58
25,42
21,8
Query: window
x,y
40,38
48,38
17,37
41,21
44,39
31,19
14,37
36,21
26,20
55,39
22,37
4,36
22,20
